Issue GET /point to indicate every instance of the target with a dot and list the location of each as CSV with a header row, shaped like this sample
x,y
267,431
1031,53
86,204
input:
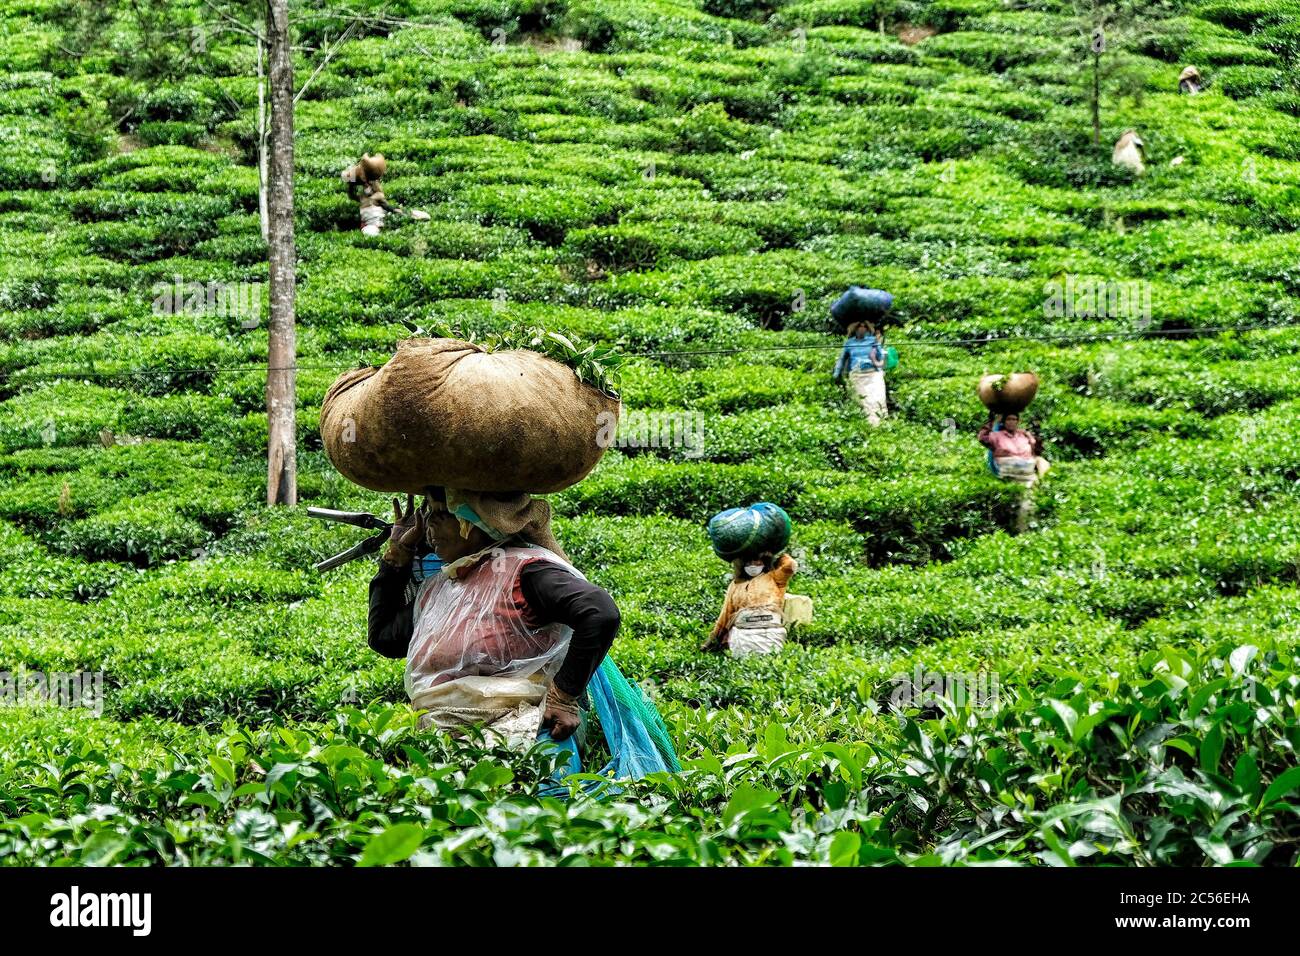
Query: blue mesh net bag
x,y
637,738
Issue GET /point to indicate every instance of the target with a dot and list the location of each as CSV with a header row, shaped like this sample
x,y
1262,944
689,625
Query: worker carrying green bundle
x,y
753,540
365,187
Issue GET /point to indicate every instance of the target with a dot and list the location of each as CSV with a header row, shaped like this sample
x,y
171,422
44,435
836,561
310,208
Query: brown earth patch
x,y
912,35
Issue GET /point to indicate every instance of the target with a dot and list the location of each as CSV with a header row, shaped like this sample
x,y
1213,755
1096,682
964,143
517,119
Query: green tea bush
x,y
1240,82
989,51
645,246
693,184
1207,718
137,531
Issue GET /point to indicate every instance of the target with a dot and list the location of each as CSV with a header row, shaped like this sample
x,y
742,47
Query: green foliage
x,y
596,365
667,196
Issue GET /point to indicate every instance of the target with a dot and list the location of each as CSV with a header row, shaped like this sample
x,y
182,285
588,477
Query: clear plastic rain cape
x,y
476,657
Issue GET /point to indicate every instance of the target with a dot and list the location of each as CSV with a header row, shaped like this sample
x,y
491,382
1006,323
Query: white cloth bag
x,y
372,220
869,385
755,631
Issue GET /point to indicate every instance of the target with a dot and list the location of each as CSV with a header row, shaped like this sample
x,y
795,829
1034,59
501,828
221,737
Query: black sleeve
x,y
389,625
556,596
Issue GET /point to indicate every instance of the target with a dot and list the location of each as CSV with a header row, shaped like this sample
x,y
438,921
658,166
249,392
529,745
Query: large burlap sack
x,y
447,412
369,169
1004,394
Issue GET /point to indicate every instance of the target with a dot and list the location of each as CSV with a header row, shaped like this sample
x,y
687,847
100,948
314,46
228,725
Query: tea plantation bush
x,y
693,182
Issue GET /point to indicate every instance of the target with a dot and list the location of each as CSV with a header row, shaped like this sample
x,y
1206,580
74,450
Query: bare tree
x,y
281,392
262,214
1111,29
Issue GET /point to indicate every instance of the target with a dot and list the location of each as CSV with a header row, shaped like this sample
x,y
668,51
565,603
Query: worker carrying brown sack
x,y
494,609
506,633
498,628
1190,82
1015,454
365,187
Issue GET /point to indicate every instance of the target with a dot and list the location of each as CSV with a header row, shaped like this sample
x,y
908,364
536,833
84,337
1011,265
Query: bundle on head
x,y
367,170
447,412
748,532
1128,152
862,305
1008,394
374,166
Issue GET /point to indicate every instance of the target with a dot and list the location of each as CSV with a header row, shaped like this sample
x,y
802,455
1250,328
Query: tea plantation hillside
x,y
693,181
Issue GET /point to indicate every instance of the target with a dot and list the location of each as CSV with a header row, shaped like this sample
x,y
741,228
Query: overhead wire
x,y
1066,338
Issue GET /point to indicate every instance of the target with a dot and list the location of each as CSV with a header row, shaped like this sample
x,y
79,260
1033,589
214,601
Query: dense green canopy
x,y
694,183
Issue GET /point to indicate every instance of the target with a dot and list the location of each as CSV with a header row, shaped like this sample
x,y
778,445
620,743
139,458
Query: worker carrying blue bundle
x,y
866,358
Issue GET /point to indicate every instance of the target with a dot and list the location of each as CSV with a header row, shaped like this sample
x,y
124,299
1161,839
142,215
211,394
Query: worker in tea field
x,y
751,618
365,187
506,628
863,358
1189,81
1017,454
1130,152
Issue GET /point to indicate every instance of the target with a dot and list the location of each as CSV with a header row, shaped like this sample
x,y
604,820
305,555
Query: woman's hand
x,y
561,716
405,535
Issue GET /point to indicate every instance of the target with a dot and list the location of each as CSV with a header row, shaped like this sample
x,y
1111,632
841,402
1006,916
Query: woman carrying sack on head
x,y
863,358
1017,453
506,632
751,621
365,187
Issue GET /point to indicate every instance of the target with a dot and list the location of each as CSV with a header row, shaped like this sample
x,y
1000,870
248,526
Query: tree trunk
x,y
1096,99
261,141
282,464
